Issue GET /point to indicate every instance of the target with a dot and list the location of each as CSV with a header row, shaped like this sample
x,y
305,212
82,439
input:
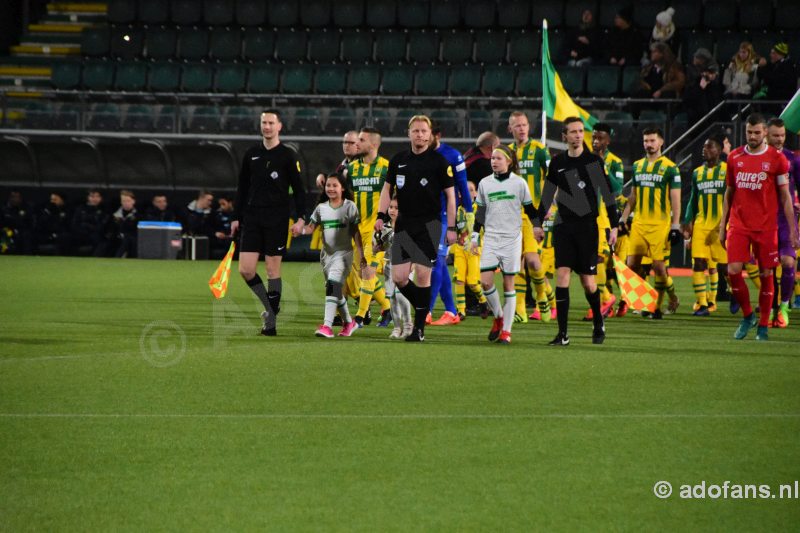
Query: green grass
x,y
106,424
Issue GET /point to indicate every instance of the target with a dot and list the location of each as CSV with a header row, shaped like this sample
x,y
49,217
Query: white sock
x,y
509,306
494,302
404,305
344,312
330,310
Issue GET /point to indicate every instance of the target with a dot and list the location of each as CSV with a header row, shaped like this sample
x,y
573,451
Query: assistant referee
x,y
579,177
419,176
269,170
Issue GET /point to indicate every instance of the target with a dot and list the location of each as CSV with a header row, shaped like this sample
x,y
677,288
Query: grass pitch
x,y
131,400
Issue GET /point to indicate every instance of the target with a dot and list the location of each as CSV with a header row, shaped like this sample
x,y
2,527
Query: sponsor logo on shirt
x,y
401,180
753,181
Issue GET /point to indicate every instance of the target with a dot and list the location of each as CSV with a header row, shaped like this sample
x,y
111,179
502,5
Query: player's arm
x,y
308,228
691,208
788,208
548,195
298,191
450,196
383,205
465,199
627,210
723,222
480,220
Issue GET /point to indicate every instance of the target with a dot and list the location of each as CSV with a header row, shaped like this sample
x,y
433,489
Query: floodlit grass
x,y
131,400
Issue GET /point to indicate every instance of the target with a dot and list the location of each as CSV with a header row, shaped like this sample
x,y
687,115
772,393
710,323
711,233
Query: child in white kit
x,y
401,307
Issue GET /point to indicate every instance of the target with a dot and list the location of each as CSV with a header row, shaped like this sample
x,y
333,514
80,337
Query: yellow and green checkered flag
x,y
219,281
636,291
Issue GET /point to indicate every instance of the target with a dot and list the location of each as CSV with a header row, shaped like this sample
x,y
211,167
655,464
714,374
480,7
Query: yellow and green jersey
x,y
547,226
614,170
461,217
708,191
652,183
367,181
533,159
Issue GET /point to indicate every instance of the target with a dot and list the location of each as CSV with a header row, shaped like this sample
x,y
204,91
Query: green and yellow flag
x,y
219,281
557,103
636,291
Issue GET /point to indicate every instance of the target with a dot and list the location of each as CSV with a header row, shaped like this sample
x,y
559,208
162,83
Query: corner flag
x,y
636,291
219,281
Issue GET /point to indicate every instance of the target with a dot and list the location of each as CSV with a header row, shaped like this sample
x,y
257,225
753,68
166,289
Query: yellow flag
x,y
636,291
219,281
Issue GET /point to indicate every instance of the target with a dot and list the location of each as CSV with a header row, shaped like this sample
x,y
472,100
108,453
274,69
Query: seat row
x,y
381,14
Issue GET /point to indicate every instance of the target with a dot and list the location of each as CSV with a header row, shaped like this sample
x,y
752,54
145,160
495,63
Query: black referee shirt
x,y
419,180
265,179
580,182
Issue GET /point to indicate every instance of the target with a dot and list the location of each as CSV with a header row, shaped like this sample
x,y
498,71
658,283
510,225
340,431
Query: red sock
x,y
740,292
765,298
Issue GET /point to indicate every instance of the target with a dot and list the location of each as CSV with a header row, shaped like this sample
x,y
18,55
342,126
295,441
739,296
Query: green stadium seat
x,y
263,79
323,46
186,12
608,10
529,82
688,14
558,46
456,47
763,42
400,126
160,42
430,81
330,79
552,10
465,80
728,44
296,79
397,79
95,41
719,14
514,14
618,116
348,14
450,122
424,47
164,77
66,75
226,44
131,76
490,47
315,13
218,12
501,125
204,119
574,13
121,11
786,16
602,80
756,15
291,45
480,14
478,121
166,120
524,47
390,46
498,80
241,120
259,45
356,46
68,117
363,79
138,118
652,116
381,119
307,121
98,75
631,76
645,11
413,14
284,13
381,14
193,43
230,78
197,77
445,14
153,12
251,12
127,42
340,120
692,41
104,117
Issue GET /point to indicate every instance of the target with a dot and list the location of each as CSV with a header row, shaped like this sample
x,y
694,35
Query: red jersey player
x,y
757,179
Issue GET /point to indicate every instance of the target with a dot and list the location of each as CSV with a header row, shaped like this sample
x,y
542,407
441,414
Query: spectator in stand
x,y
740,76
663,77
124,222
159,210
16,221
778,77
89,224
223,217
701,60
664,30
625,44
585,42
198,219
52,226
478,158
700,97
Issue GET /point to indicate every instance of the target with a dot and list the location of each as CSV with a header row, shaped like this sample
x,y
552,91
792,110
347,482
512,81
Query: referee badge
x,y
423,182
581,184
274,175
401,180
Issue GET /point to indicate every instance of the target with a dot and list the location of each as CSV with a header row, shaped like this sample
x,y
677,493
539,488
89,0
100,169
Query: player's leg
x,y
562,305
460,278
509,306
660,285
368,275
753,273
699,284
474,282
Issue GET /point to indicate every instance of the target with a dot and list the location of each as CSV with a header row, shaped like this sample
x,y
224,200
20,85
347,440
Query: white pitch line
x,y
422,416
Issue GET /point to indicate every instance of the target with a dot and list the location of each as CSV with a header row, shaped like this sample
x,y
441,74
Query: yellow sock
x,y
754,274
478,292
713,286
551,295
602,280
660,286
521,286
367,290
699,284
380,296
797,286
461,297
670,287
538,284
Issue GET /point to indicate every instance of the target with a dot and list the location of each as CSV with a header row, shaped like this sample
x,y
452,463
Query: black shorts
x,y
264,233
416,241
575,246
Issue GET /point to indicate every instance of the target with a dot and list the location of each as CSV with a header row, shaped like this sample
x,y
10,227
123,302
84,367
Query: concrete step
x,y
52,50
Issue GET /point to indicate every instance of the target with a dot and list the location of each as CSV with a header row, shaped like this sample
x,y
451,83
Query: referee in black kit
x,y
269,169
579,177
420,176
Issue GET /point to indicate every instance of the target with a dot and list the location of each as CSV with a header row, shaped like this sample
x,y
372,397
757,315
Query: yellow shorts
x,y
549,260
603,250
650,241
466,265
367,231
621,247
706,245
529,244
